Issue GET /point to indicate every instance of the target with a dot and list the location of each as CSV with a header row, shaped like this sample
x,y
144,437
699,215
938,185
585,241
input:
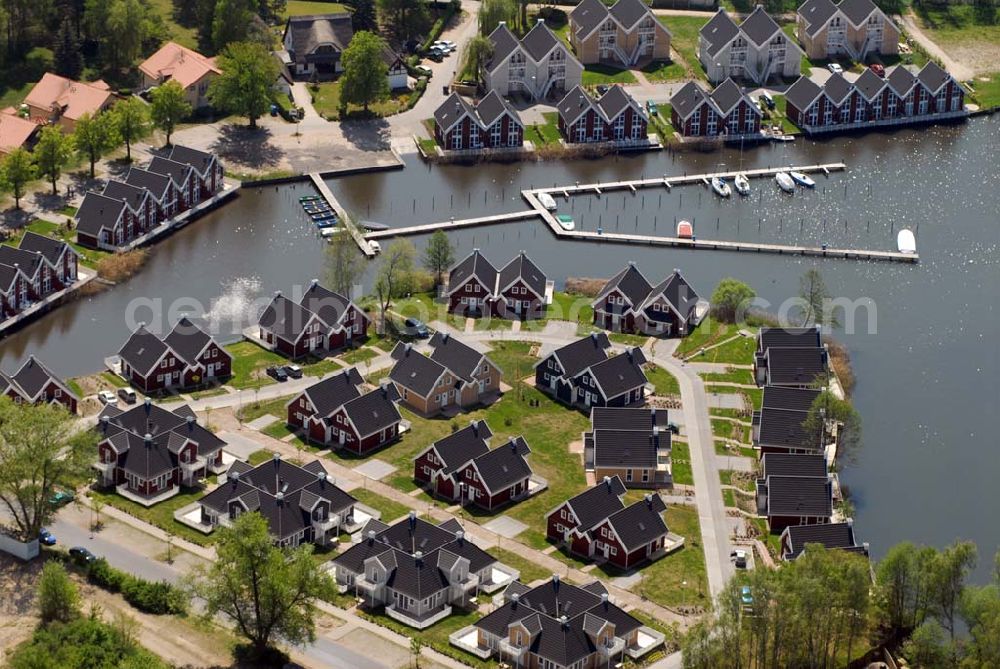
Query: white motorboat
x,y
802,179
685,230
375,246
327,233
783,138
547,201
742,184
720,187
785,182
565,221
905,241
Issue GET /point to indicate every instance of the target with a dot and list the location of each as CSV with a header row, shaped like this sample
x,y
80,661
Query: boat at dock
x,y
785,182
906,242
373,226
322,214
720,187
325,223
802,179
547,201
310,198
565,221
742,184
327,233
685,230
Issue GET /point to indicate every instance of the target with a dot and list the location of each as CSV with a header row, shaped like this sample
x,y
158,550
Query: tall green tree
x,y
41,449
394,276
492,12
948,577
95,135
344,263
247,79
363,16
68,57
131,121
731,299
815,297
903,592
403,18
168,107
58,599
16,170
128,26
478,52
269,593
365,71
829,409
231,21
438,255
52,153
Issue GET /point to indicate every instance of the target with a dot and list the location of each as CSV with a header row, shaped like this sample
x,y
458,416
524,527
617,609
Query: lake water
x,y
927,388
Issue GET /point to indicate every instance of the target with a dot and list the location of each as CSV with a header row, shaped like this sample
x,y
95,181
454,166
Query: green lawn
x,y
746,483
88,257
547,133
162,514
326,100
183,35
114,379
685,41
664,70
987,90
680,463
275,407
664,382
249,364
726,429
780,113
302,7
756,395
956,26
14,95
738,351
678,578
314,367
564,307
529,570
729,498
731,375
603,74
261,456
722,448
389,508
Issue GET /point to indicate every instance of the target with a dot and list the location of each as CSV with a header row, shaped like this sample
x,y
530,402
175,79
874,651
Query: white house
x,y
539,66
755,50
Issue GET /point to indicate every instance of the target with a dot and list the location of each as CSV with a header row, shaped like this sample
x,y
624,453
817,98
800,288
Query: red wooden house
x,y
33,383
492,123
186,358
629,303
725,112
477,288
35,269
207,174
321,320
614,117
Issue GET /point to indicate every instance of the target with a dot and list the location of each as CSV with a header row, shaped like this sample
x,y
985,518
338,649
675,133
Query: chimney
x,y
321,477
190,422
540,22
444,337
384,387
649,500
631,263
593,337
279,497
413,520
418,557
501,23
555,585
676,271
234,477
514,599
607,482
564,621
105,421
277,293
148,404
314,282
407,348
276,458
371,536
460,536
148,440
604,599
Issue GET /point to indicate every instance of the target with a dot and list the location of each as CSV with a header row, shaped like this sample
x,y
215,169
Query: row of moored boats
x,y
786,181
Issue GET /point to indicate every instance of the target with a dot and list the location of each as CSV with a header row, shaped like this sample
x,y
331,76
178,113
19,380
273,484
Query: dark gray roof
x,y
574,104
417,577
7,276
627,448
505,465
582,353
154,182
631,283
802,93
799,496
460,359
328,305
539,41
179,172
413,534
285,318
473,265
187,340
783,427
620,373
678,293
201,161
28,261
504,44
33,376
628,418
795,366
640,523
628,12
816,13
375,410
689,98
776,397
595,504
869,84
119,190
51,249
616,100
759,27
832,536
477,557
587,16
492,107
452,110
333,392
142,350
774,337
312,30
900,79
463,445
727,95
932,76
521,267
857,11
719,31
788,464
837,88
145,459
414,370
98,211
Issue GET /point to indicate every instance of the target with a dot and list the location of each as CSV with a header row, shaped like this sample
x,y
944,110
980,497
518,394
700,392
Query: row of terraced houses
x,y
37,268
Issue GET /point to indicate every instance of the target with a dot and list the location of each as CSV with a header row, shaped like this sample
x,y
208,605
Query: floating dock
x,y
538,211
345,220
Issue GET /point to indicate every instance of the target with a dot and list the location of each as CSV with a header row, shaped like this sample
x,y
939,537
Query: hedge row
x,y
158,598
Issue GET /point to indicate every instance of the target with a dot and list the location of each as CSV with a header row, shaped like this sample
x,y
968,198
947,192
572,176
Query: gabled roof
x,y
777,337
156,183
582,353
640,523
328,305
631,283
832,536
312,30
776,397
492,107
869,84
504,44
795,366
119,190
719,31
414,370
333,392
72,98
15,132
759,27
28,261
620,373
460,359
629,12
374,411
179,172
816,14
142,350
628,418
595,504
473,266
183,65
678,293
727,95
802,93
799,496
51,249
616,100
285,318
789,464
505,465
588,16
33,377
201,161
521,267
857,11
575,104
627,436
784,427
453,110
689,98
466,444
540,41
187,340
7,276
98,212
932,76
900,80
837,88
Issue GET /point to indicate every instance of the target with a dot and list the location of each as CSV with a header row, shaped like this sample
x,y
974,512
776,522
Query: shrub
x,y
158,598
120,266
39,61
103,575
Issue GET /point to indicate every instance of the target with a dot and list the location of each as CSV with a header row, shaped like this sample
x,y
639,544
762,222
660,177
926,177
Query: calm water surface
x,y
928,387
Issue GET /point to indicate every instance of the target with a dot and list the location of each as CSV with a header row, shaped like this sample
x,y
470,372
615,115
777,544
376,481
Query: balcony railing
x,y
511,651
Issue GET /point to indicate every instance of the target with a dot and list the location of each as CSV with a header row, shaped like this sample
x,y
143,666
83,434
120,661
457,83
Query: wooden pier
x,y
345,220
538,211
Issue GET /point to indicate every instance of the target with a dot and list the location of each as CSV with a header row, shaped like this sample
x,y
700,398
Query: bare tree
x,y
394,276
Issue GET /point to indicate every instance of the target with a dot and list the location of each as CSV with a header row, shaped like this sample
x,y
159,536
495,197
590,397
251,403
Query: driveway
x,y
957,69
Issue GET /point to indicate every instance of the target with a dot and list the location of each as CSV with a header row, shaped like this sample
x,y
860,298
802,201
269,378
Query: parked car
x,y
46,538
436,55
602,89
81,555
835,68
673,427
277,373
107,397
445,45
767,99
877,68
739,557
651,107
127,395
293,371
61,497
746,596
414,327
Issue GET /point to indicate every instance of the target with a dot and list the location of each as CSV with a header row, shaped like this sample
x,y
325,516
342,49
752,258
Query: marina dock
x,y
664,181
349,225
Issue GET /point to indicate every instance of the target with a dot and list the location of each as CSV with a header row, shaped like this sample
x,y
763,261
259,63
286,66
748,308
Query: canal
x,y
927,371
